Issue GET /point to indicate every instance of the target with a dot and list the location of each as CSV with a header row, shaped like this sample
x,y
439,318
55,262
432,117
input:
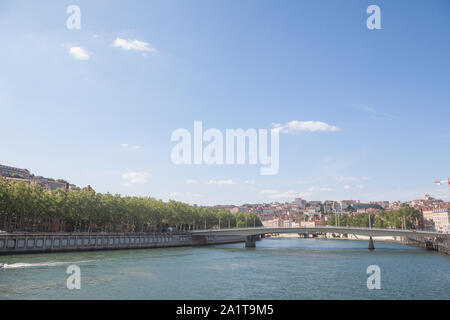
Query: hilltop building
x,y
7,171
23,175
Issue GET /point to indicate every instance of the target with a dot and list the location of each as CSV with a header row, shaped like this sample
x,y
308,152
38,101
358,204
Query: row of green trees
x,y
406,217
26,207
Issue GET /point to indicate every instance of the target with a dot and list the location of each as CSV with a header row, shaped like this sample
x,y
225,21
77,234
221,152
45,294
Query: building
x,y
274,223
428,223
425,202
383,204
347,203
28,181
23,175
308,224
437,219
7,171
313,211
441,218
299,203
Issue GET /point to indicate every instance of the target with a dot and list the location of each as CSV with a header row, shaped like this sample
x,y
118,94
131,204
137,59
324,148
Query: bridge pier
x,y
371,246
250,241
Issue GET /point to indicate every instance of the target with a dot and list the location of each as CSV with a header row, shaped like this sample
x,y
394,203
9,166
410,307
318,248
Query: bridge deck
x,y
370,232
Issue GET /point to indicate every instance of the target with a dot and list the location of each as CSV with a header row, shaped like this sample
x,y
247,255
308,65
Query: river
x,y
276,269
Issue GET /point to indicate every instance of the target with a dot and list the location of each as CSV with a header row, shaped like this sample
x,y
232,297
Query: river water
x,y
276,269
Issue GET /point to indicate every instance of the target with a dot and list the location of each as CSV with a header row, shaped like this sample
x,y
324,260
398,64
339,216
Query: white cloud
x,y
310,126
360,186
347,187
192,181
220,182
250,182
133,45
134,178
366,178
79,53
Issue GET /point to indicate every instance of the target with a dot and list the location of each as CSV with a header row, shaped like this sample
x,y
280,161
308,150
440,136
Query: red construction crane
x,y
442,182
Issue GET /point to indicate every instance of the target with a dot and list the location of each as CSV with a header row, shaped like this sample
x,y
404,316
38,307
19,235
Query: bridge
x,y
251,234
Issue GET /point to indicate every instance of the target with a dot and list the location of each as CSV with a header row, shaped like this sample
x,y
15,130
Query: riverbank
x,y
435,245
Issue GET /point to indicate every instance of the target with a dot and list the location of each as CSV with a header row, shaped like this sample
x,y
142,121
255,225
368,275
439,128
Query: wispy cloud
x,y
210,182
185,195
376,114
133,178
342,179
320,189
79,53
284,195
309,126
220,182
352,178
130,146
134,45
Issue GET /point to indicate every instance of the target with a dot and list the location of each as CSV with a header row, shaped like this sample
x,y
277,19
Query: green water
x,y
276,269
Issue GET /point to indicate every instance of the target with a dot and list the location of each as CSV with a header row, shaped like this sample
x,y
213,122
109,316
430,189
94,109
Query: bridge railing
x,y
330,228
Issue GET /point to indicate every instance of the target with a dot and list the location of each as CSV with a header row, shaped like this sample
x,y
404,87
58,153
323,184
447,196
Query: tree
x,y
25,207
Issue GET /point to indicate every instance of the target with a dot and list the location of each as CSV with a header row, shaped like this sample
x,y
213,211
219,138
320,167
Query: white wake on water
x,y
42,264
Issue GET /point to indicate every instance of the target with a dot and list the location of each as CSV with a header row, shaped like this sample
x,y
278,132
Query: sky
x,y
364,113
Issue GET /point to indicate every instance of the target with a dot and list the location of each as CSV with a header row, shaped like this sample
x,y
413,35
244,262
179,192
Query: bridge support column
x,y
250,241
371,246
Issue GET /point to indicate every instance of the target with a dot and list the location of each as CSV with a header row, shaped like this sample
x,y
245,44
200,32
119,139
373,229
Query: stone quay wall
x,y
68,242
441,245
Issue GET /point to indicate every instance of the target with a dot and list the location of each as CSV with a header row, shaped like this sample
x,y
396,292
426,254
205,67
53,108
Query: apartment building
x,y
437,219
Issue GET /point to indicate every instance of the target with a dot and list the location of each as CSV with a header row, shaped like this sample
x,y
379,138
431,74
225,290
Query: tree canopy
x,y
404,217
26,207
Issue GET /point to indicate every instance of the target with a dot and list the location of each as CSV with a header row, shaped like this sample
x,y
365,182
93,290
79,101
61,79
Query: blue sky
x,y
106,120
